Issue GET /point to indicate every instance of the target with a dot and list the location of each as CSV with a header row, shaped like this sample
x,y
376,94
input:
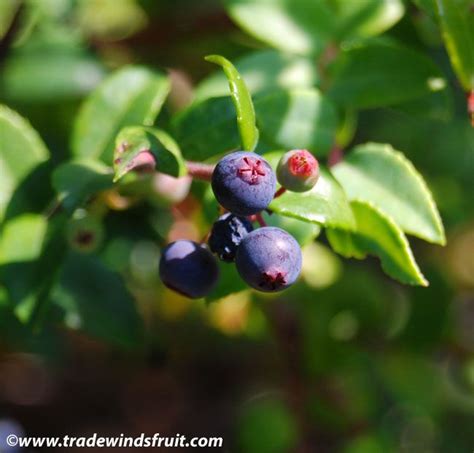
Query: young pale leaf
x,y
382,74
457,23
299,118
378,174
263,70
377,234
159,149
21,151
242,102
77,180
131,96
207,129
326,204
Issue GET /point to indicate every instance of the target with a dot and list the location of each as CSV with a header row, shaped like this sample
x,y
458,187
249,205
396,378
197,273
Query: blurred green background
x,y
346,361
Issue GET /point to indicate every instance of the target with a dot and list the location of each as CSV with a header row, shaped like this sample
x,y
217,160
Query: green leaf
x,y
229,282
263,70
22,238
96,301
21,151
364,18
326,204
132,141
300,118
378,75
378,174
303,232
207,129
242,102
131,96
457,23
377,234
76,181
49,75
297,26
307,26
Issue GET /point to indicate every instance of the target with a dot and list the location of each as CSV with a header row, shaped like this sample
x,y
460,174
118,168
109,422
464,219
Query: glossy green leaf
x,y
326,204
299,118
207,129
377,75
242,102
77,180
303,232
21,151
134,140
263,70
96,300
131,96
378,174
377,234
457,23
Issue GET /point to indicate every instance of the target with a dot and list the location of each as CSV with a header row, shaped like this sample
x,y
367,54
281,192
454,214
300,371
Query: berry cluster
x,y
267,258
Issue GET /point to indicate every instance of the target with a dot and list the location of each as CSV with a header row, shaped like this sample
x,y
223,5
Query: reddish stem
x,y
335,156
470,106
260,220
279,192
200,171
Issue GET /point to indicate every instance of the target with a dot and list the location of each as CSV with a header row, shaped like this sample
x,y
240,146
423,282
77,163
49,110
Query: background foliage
x,y
347,360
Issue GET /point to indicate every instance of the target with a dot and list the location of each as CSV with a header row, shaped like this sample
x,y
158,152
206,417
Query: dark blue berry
x,y
188,268
269,259
243,183
226,234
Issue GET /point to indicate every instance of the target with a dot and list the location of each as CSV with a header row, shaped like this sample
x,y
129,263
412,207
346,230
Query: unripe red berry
x,y
298,170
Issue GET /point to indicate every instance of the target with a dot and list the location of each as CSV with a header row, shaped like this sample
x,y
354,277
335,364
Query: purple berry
x,y
226,235
243,183
298,170
188,268
269,259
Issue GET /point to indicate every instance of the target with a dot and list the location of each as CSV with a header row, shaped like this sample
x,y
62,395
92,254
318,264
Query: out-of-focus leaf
x,y
377,234
306,26
49,76
267,426
131,96
22,238
378,174
135,140
364,18
229,282
303,232
457,23
75,181
263,70
96,301
378,75
242,102
326,204
21,151
299,118
297,26
207,129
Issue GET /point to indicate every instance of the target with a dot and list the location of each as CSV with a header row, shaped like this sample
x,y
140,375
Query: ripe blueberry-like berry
x,y
188,268
298,170
243,183
226,235
269,259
